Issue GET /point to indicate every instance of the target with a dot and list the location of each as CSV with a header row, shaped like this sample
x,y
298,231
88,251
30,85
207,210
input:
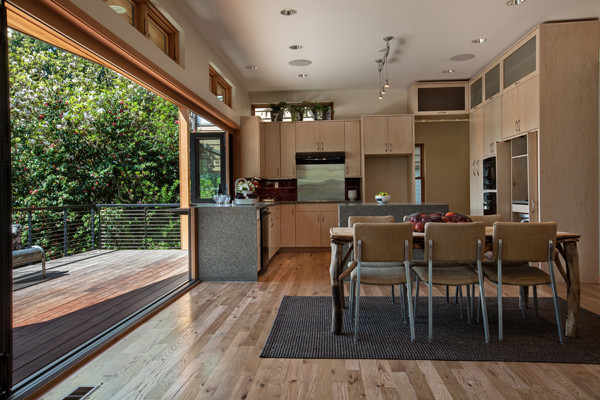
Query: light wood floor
x,y
207,343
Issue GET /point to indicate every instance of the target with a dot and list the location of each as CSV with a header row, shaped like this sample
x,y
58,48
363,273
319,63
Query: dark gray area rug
x,y
302,330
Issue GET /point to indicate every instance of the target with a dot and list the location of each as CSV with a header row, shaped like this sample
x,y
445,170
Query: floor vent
x,y
82,392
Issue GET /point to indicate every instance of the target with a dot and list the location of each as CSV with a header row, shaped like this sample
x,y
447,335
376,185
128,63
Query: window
x,y
219,86
419,173
150,22
263,110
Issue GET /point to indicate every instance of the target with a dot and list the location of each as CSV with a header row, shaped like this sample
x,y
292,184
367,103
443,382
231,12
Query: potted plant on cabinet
x,y
277,110
297,111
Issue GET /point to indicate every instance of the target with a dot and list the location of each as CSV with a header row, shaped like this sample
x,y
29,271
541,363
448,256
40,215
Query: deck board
x,y
82,296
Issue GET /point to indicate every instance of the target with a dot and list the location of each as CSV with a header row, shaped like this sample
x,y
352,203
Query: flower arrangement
x,y
249,186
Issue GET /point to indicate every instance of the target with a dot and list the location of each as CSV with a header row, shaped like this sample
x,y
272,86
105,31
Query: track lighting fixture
x,y
381,63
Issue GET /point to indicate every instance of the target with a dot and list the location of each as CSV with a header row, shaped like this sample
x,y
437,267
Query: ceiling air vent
x,y
82,392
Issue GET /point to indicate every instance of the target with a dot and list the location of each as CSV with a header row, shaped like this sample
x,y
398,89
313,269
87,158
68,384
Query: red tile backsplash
x,y
287,189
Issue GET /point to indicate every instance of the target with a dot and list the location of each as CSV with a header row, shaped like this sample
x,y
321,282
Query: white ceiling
x,y
343,38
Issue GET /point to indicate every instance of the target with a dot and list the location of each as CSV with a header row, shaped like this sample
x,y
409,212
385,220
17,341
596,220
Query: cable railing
x,y
70,230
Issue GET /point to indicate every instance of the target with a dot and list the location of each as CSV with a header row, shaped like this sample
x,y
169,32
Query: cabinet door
x,y
400,134
529,104
328,221
308,227
272,150
331,135
288,150
307,137
375,134
352,148
288,225
510,113
476,153
274,230
251,141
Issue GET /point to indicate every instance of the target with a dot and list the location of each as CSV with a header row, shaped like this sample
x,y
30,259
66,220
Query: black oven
x,y
489,173
489,203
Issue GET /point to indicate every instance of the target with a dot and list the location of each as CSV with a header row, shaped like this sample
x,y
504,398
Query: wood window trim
x,y
143,12
215,80
63,24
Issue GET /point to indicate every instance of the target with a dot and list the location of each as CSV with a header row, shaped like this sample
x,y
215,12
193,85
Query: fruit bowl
x,y
382,199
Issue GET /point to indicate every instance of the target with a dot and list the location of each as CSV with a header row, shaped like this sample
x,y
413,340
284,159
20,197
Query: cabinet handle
x,y
386,146
347,170
278,172
532,207
477,167
516,130
294,171
390,147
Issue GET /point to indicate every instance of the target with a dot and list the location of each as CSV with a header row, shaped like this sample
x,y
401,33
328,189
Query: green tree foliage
x,y
83,134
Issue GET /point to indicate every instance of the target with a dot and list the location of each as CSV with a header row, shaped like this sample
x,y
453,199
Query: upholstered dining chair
x,y
372,219
382,253
451,250
515,245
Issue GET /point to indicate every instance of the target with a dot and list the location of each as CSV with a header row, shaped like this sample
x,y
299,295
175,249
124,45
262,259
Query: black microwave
x,y
489,173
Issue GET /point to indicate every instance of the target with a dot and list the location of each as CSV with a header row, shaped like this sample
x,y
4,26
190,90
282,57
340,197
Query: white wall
x,y
195,54
348,104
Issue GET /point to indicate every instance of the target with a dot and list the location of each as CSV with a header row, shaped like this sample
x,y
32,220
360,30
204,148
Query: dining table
x,y
566,259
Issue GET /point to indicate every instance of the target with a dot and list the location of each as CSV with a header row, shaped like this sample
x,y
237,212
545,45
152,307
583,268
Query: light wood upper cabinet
x,y
388,134
251,140
492,126
401,135
374,131
288,225
272,151
521,108
307,137
476,159
288,150
352,148
317,136
331,134
521,62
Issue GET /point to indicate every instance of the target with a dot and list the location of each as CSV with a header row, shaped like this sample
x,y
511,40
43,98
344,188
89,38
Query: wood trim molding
x,y
67,26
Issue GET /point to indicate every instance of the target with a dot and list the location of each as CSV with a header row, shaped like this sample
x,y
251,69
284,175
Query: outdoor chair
x,y
451,251
515,246
382,253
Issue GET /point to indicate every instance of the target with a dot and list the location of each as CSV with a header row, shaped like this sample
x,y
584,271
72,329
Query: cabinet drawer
x,y
317,207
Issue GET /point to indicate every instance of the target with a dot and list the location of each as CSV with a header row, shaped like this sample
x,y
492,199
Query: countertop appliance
x,y
320,176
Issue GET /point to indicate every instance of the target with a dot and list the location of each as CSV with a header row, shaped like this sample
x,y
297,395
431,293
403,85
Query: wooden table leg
x,y
337,293
573,289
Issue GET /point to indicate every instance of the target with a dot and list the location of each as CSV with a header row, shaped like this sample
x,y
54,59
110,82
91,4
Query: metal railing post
x,y
65,233
99,227
145,228
92,225
29,219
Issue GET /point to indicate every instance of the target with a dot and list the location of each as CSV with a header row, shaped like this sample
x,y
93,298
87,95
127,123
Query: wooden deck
x,y
81,296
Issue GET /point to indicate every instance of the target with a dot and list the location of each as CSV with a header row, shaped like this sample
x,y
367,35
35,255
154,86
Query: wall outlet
x,y
276,185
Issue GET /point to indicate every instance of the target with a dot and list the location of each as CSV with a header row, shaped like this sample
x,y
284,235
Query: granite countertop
x,y
262,204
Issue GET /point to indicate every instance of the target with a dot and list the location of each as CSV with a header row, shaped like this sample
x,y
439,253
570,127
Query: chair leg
x,y
429,303
416,294
500,330
456,296
352,294
447,294
393,297
557,310
522,300
468,304
357,300
411,315
481,303
535,305
403,302
459,290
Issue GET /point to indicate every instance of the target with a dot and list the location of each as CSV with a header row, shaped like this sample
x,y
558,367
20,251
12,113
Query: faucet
x,y
236,183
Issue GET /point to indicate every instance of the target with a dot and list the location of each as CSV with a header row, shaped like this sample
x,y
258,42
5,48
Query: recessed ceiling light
x,y
303,75
514,2
251,67
300,63
118,9
288,11
449,71
462,57
478,40
296,47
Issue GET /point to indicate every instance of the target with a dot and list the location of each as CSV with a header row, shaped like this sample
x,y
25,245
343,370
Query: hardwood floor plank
x,y
207,345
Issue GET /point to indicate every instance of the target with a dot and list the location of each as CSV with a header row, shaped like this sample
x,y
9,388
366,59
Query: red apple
x,y
419,227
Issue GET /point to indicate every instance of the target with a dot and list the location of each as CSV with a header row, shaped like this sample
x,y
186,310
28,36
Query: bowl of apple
x,y
382,197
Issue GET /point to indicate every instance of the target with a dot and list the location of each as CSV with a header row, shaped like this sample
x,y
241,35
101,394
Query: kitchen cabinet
x,y
476,92
521,61
274,230
388,134
492,81
521,108
352,148
438,98
249,148
492,126
317,136
272,153
288,225
288,151
476,159
313,222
